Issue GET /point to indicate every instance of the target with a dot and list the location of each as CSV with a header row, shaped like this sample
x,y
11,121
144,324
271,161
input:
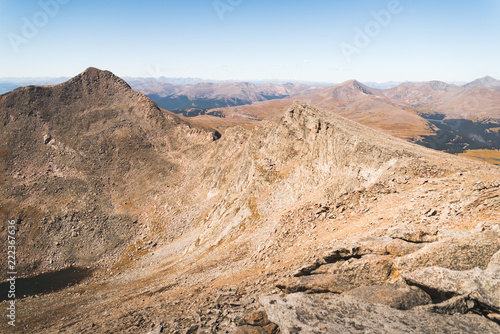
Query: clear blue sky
x,y
255,39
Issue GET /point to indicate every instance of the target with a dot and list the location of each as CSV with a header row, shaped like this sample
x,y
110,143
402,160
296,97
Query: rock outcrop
x,y
365,269
330,313
402,297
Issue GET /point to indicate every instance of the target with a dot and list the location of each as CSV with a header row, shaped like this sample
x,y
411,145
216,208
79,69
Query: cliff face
x,y
195,230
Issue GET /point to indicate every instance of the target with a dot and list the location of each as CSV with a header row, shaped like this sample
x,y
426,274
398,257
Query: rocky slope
x,y
236,230
76,163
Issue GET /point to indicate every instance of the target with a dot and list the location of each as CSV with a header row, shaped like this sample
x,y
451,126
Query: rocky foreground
x,y
404,280
308,224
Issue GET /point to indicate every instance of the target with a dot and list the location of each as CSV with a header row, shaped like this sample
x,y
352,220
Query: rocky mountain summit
x,y
308,223
487,82
73,156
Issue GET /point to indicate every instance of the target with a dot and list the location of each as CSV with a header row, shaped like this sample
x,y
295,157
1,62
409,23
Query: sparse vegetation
x,y
491,156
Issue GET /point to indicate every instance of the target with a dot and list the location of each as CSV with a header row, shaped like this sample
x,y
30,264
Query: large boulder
x,y
481,285
315,284
412,233
342,276
402,297
460,253
331,313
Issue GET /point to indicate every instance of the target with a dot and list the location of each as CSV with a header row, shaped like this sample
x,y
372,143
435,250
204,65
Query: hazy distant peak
x,y
487,82
442,86
358,86
435,85
363,88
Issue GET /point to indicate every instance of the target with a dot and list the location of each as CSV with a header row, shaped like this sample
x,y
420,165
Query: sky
x,y
244,40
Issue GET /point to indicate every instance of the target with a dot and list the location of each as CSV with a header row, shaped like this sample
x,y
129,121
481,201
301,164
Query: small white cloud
x,y
306,61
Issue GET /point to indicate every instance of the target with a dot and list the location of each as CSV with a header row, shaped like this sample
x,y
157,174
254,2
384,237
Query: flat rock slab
x,y
315,284
396,296
414,233
330,313
461,253
369,270
458,304
481,285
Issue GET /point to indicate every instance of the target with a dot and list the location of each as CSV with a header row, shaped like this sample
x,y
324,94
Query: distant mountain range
x,y
148,85
436,114
192,100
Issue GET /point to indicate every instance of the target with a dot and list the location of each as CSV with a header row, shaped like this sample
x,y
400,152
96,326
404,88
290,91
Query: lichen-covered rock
x,y
369,270
414,233
458,304
461,253
481,285
330,313
396,296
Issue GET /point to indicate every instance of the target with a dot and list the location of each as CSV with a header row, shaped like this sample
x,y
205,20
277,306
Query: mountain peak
x,y
94,75
93,70
487,82
487,79
98,85
358,86
442,86
352,82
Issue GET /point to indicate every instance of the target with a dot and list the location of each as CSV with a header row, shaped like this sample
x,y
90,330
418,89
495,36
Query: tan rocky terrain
x,y
307,223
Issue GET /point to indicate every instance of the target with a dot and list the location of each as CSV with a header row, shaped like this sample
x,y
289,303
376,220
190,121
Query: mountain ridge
x,y
487,82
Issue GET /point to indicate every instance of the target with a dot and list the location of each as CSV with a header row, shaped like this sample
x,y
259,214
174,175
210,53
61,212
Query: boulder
x,y
369,270
398,247
330,313
368,246
372,245
458,304
401,297
481,285
256,322
461,253
418,234
315,284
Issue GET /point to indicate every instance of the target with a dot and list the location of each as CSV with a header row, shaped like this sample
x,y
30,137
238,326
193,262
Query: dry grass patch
x,y
490,156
